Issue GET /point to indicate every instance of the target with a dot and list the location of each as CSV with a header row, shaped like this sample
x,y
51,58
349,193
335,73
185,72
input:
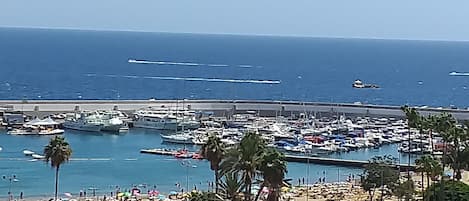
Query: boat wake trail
x,y
190,79
135,61
454,73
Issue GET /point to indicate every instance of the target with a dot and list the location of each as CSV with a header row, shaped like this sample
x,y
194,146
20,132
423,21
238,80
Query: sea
x,y
40,64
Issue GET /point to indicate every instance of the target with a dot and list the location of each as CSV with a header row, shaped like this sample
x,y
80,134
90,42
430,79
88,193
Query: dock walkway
x,y
337,162
293,158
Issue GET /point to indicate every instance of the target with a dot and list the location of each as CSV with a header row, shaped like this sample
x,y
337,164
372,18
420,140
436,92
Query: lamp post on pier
x,y
187,164
10,179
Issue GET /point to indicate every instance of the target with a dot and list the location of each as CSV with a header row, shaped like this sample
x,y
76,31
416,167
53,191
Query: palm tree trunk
x,y
421,152
408,162
248,187
260,191
56,181
273,195
431,141
428,180
216,181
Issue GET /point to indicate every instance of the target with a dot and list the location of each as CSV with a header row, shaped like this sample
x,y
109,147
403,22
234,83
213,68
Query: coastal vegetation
x,y
243,164
454,149
213,151
57,152
448,191
380,174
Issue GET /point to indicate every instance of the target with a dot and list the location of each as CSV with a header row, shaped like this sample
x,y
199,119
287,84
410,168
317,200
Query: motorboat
x,y
112,121
155,120
38,127
359,84
37,156
35,131
28,152
83,122
178,139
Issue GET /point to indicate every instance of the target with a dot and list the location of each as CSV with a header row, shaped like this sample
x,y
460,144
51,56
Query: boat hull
x,y
83,127
155,125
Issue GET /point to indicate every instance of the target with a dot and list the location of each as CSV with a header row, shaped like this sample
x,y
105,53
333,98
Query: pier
x,y
220,107
294,158
338,162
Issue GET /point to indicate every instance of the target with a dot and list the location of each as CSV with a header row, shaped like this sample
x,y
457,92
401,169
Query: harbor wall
x,y
220,107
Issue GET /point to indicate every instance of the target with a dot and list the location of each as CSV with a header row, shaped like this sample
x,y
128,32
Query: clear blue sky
x,y
399,19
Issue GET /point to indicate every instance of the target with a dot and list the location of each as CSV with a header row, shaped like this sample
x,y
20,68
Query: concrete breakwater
x,y
219,107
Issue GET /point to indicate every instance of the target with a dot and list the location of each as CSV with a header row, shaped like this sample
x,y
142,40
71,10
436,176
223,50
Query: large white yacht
x,y
84,122
112,121
155,119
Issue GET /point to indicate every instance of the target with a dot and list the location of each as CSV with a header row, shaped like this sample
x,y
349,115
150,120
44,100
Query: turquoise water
x,y
106,160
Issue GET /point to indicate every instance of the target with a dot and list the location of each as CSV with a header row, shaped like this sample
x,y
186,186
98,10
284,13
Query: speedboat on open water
x,y
360,85
28,152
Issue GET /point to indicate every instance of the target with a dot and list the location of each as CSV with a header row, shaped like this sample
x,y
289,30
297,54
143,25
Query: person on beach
x,y
21,195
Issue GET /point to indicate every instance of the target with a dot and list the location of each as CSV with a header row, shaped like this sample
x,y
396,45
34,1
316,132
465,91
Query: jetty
x,y
164,152
339,162
293,158
221,107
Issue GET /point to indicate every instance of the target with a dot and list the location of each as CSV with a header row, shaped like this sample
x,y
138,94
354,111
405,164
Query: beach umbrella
x,y
173,193
120,194
68,194
127,194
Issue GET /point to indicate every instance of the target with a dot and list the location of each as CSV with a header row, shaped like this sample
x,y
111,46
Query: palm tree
x,y
273,168
231,186
245,159
444,122
413,119
429,125
457,135
57,152
213,151
428,165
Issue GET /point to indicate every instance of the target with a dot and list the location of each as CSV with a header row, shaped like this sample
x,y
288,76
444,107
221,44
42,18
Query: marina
x,y
318,142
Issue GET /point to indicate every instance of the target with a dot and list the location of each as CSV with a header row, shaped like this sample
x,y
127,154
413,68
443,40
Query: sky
x,y
390,19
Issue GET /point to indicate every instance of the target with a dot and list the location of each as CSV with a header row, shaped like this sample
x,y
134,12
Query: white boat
x,y
155,120
37,156
83,123
359,84
28,152
38,127
111,120
34,131
178,138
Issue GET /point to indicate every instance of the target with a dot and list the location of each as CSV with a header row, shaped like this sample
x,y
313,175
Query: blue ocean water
x,y
66,64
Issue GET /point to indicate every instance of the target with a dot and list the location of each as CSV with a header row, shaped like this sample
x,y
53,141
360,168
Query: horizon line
x,y
228,34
